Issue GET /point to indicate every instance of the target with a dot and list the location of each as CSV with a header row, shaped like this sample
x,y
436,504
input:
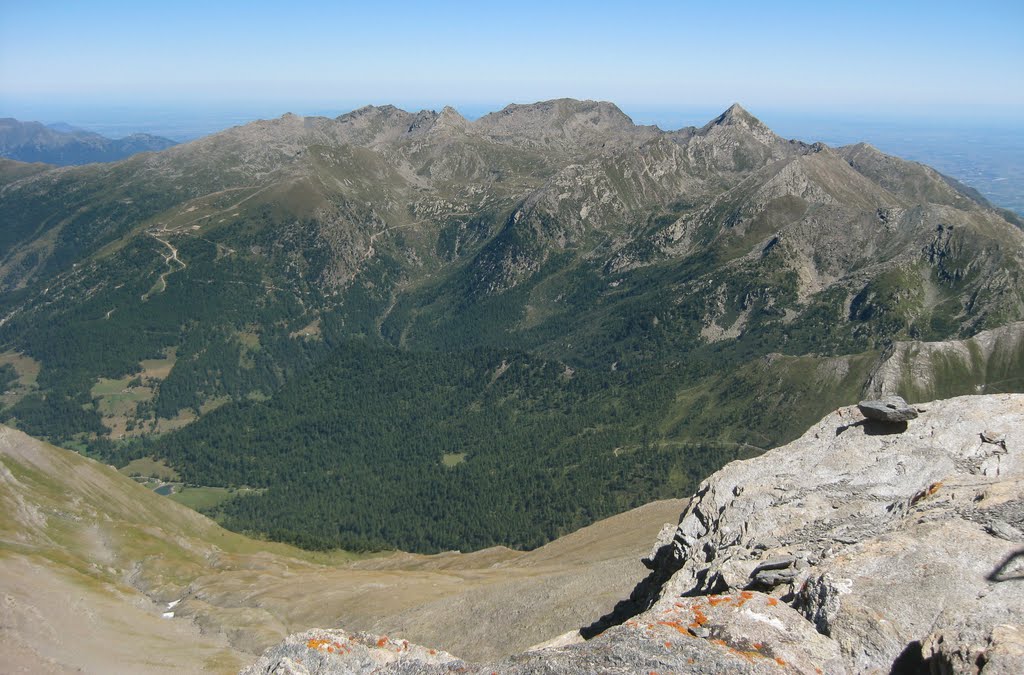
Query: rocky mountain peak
x,y
423,121
450,119
566,124
737,118
560,110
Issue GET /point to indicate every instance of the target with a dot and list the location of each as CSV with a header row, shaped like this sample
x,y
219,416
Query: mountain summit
x,y
735,115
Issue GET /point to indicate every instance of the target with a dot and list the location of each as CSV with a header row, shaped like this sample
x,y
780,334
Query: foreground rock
x,y
849,550
744,636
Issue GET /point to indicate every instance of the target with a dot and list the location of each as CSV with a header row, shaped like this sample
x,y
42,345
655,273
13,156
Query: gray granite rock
x,y
888,409
904,532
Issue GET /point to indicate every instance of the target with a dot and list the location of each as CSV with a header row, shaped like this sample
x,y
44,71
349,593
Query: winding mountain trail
x,y
170,258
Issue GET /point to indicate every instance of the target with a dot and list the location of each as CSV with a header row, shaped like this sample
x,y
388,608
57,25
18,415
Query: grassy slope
x,y
73,528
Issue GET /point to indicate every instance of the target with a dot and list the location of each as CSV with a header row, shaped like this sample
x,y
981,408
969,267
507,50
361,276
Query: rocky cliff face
x,y
860,547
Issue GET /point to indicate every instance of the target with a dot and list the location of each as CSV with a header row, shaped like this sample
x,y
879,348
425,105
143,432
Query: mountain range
x,y
63,144
464,334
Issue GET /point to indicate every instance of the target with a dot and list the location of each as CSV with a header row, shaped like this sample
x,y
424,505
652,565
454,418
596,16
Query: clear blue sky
x,y
872,55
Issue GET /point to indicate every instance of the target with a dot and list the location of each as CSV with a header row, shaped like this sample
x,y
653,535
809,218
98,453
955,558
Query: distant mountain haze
x,y
64,145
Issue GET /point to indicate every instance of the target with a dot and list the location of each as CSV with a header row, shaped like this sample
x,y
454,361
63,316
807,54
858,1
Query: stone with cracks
x,y
888,409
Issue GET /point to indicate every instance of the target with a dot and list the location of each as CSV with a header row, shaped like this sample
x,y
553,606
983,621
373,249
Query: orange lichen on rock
x,y
772,602
716,600
749,655
328,646
781,662
382,641
675,624
927,492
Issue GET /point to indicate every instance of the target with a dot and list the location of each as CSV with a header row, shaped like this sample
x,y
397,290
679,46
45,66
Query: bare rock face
x,y
879,539
859,548
745,635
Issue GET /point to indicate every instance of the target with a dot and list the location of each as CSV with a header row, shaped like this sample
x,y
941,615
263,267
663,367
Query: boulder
x,y
889,409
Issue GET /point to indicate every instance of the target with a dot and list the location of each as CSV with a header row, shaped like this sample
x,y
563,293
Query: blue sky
x,y
864,55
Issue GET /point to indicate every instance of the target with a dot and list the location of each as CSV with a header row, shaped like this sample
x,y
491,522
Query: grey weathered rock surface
x,y
888,409
318,652
895,530
744,635
851,549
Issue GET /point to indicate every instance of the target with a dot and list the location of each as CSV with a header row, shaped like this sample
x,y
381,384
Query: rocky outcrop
x,y
882,540
858,548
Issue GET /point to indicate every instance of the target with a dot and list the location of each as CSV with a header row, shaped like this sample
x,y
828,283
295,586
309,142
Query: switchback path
x,y
171,259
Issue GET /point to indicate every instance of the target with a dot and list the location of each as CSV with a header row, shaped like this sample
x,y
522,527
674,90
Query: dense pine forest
x,y
429,451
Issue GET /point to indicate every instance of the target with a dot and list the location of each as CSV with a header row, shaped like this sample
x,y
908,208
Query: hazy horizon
x,y
184,121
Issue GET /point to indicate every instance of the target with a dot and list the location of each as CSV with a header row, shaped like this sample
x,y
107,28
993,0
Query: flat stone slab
x,y
888,409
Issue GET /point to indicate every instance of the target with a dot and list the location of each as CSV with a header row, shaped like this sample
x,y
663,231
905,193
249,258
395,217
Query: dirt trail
x,y
170,258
